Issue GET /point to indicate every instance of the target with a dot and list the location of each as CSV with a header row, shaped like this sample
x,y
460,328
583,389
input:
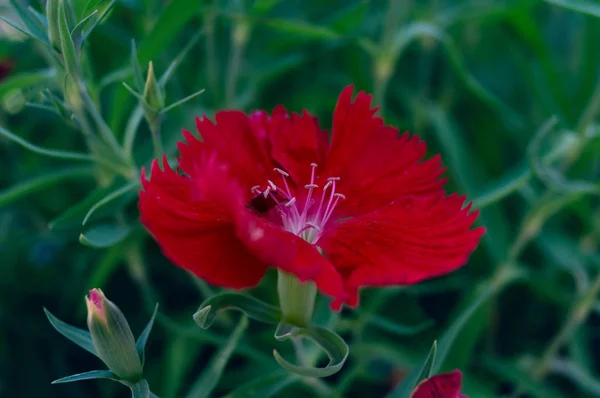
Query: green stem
x,y
155,131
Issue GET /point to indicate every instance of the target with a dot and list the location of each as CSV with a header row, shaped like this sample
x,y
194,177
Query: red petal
x,y
194,231
376,166
445,385
233,139
296,142
410,240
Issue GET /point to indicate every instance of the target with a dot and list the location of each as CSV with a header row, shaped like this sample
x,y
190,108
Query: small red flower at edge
x,y
266,190
444,385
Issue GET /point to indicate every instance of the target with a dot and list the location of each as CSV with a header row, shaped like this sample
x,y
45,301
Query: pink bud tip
x,y
96,300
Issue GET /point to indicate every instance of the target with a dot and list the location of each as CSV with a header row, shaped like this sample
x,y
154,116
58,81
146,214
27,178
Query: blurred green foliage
x,y
507,91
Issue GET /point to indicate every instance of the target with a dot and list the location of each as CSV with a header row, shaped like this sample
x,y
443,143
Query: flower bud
x,y
445,385
112,337
153,93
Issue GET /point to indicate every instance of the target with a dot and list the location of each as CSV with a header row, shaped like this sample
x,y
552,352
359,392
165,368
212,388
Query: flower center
x,y
306,219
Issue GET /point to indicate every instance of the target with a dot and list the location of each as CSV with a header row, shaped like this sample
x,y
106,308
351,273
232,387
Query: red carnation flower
x,y
271,190
445,385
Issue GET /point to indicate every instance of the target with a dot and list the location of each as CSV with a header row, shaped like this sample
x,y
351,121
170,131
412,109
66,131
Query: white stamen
x,y
311,186
290,202
314,165
339,195
267,192
273,186
333,179
283,173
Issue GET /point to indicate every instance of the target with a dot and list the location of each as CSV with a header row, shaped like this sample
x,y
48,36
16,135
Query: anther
x,y
314,165
255,188
339,195
267,191
311,186
290,202
273,186
333,179
283,173
330,183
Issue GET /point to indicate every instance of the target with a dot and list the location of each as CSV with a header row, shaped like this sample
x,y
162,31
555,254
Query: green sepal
x,y
252,307
336,348
91,375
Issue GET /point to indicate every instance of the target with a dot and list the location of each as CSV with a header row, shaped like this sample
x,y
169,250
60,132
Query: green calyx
x,y
296,299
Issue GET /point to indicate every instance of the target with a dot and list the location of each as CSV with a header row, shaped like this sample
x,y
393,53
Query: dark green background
x,y
475,79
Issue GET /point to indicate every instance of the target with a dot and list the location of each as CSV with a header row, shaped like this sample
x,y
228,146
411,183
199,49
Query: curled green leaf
x,y
334,346
253,308
104,235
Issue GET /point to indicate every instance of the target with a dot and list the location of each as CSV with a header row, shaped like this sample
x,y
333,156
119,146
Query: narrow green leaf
x,y
78,336
110,197
425,372
181,101
47,152
91,375
67,46
18,27
578,375
250,306
36,184
405,389
74,215
588,7
264,387
35,27
396,328
204,386
78,31
300,29
520,377
507,275
60,107
91,25
140,344
334,346
104,235
26,80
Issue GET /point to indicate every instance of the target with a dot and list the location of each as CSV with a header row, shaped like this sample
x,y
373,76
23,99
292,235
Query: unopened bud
x,y
153,93
112,337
